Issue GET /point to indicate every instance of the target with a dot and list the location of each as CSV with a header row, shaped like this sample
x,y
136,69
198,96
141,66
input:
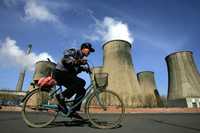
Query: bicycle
x,y
40,107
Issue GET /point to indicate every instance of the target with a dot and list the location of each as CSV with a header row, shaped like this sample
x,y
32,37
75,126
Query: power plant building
x,y
22,73
140,90
117,62
148,86
183,80
42,69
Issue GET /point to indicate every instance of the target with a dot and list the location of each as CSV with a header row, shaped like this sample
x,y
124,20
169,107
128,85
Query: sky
x,y
155,28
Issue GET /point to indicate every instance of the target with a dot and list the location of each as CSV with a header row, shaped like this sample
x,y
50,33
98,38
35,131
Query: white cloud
x,y
37,12
46,11
111,29
12,56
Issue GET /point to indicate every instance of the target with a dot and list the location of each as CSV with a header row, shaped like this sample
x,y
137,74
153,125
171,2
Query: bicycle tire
x,y
94,109
26,110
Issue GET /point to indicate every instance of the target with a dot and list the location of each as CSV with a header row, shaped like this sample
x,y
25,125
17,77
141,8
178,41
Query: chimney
x,y
22,73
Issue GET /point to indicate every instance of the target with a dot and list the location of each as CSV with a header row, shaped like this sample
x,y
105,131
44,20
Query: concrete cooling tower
x,y
183,77
42,69
122,78
148,86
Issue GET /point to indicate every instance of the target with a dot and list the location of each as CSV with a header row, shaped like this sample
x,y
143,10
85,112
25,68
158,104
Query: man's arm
x,y
83,68
68,60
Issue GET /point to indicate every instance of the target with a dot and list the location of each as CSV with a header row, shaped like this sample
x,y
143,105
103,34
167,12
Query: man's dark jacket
x,y
68,62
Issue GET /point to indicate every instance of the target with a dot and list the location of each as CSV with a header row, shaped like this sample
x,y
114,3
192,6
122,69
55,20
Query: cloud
x,y
111,29
46,11
12,56
38,12
9,3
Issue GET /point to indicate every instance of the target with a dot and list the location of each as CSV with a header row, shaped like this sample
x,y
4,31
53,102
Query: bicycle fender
x,y
27,94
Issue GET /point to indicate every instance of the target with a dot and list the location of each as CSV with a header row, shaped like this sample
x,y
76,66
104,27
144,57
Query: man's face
x,y
85,51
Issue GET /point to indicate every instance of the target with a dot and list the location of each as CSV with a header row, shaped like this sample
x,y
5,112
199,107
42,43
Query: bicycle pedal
x,y
51,111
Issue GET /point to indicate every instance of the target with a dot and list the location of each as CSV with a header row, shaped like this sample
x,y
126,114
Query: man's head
x,y
86,48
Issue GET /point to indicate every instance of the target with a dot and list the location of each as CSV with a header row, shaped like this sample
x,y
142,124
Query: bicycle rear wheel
x,y
105,109
36,109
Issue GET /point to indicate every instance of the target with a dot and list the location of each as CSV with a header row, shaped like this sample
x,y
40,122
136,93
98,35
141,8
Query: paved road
x,y
11,122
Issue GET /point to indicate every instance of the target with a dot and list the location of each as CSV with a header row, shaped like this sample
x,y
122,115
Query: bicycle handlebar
x,y
90,72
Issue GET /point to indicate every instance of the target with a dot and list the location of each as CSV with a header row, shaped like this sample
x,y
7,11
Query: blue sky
x,y
157,27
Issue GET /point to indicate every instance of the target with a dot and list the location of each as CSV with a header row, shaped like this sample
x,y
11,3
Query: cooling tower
x,y
158,99
42,69
148,85
183,76
122,78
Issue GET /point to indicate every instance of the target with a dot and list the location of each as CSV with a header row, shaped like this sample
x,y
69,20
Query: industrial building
x,y
183,80
22,73
11,97
148,86
136,90
117,62
42,69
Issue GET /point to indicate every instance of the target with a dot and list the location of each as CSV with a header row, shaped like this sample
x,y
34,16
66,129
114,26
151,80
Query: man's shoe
x,y
62,109
61,105
76,115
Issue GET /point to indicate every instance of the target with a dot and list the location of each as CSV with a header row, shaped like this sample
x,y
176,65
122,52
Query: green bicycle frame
x,y
90,90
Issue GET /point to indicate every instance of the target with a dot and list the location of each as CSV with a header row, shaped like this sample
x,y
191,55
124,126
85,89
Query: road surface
x,y
11,122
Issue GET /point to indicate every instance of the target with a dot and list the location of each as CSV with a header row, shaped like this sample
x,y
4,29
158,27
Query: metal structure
x,y
98,69
122,78
148,86
22,73
183,76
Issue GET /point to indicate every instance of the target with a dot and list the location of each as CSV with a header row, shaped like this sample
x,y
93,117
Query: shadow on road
x,y
176,125
74,123
173,124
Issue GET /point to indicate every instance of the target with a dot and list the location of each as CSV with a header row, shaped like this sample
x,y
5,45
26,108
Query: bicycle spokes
x,y
105,110
38,110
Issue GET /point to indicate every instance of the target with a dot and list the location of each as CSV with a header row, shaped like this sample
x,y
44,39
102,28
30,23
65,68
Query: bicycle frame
x,y
50,107
89,91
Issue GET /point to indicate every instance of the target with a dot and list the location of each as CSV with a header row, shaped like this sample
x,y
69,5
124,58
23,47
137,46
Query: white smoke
x,y
12,56
38,12
111,29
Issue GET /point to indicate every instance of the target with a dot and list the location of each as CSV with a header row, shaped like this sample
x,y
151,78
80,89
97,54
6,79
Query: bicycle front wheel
x,y
36,111
105,109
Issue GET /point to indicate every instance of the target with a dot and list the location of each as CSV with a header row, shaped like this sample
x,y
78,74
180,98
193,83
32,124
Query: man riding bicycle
x,y
66,73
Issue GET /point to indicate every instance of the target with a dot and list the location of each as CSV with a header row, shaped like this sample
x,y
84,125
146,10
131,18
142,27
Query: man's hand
x,y
80,62
86,69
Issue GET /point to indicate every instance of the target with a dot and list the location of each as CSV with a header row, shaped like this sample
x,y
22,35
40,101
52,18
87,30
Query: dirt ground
x,y
163,110
128,110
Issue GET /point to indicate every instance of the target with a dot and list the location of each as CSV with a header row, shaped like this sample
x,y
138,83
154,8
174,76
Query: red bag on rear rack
x,y
46,82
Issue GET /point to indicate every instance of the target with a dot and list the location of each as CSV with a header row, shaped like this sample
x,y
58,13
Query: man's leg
x,y
80,92
59,77
75,86
78,89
